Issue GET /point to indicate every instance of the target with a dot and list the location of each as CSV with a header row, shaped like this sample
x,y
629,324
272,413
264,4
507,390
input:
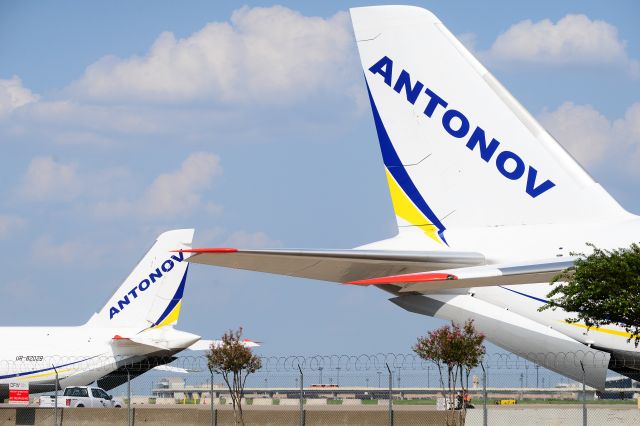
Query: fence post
x,y
485,417
584,397
390,421
214,418
301,396
130,422
55,401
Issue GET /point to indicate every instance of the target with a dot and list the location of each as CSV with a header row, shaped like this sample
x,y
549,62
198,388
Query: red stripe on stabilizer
x,y
420,277
119,337
208,250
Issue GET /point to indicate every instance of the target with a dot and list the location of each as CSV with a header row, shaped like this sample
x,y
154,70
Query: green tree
x,y
234,361
454,350
601,289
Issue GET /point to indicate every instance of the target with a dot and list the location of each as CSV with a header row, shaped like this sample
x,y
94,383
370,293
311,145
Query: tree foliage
x,y
602,288
454,350
234,362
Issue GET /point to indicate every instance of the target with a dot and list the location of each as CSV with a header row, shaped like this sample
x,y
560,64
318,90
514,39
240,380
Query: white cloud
x,y
49,180
172,194
628,127
574,39
13,95
273,53
180,191
590,136
9,224
582,130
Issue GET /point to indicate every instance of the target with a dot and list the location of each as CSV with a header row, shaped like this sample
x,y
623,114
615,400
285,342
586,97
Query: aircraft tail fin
x,y
458,149
151,296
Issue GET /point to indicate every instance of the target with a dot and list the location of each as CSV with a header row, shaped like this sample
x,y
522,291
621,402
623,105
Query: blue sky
x,y
120,120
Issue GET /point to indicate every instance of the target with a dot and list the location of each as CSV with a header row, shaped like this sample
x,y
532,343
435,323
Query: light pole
x,y
320,370
521,380
537,375
338,376
379,376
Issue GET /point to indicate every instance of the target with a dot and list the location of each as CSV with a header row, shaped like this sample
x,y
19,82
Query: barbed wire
x,y
339,362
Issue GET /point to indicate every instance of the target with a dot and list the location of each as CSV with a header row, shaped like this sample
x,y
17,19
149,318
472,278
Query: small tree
x,y
235,362
602,288
457,350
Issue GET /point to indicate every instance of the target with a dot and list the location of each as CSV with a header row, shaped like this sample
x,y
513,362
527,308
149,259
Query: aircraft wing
x,y
205,345
334,265
477,276
413,271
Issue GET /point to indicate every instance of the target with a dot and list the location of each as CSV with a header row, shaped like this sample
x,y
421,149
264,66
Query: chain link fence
x,y
377,389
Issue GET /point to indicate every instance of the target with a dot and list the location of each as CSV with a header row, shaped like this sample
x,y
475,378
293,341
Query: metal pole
x,y
485,416
214,419
55,401
390,422
301,396
129,398
584,397
537,375
338,376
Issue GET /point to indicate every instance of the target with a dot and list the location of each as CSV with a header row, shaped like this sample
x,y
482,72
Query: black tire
x,y
80,406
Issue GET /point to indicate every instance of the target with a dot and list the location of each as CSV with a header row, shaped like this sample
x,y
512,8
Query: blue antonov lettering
x,y
124,301
155,275
151,278
501,164
404,81
448,117
478,138
454,122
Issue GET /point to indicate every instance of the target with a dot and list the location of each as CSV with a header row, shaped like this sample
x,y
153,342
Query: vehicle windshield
x,y
99,393
77,392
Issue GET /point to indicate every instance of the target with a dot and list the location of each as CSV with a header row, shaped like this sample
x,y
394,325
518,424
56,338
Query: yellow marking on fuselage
x,y
602,330
404,208
50,373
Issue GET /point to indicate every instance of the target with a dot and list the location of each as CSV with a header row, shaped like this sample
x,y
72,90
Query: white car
x,y
83,396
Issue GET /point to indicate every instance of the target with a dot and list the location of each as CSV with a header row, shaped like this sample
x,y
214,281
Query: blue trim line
x,y
175,299
396,168
44,369
525,295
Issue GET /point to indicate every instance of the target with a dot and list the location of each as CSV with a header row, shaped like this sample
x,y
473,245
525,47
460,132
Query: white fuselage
x,y
503,244
81,355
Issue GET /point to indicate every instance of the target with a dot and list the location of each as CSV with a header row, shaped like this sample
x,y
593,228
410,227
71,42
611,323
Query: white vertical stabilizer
x,y
151,296
458,149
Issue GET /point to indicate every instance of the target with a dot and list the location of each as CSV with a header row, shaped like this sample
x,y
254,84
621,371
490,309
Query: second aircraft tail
x,y
151,296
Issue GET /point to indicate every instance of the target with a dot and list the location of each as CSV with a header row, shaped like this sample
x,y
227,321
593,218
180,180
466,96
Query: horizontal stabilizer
x,y
205,345
137,341
334,265
173,369
477,276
